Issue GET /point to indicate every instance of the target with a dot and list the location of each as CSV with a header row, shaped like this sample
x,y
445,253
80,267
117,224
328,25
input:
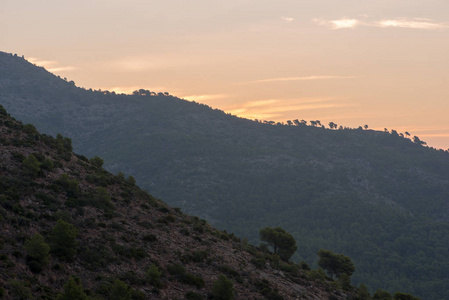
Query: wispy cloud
x,y
50,65
288,19
201,98
298,79
276,108
61,69
414,23
338,24
259,103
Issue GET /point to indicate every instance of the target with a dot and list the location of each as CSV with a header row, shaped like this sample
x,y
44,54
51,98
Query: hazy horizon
x,y
350,62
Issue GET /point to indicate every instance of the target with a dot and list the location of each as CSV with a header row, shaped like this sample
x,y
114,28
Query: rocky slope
x,y
122,232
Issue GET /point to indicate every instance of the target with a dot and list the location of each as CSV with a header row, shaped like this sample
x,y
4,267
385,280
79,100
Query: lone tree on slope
x,y
282,242
335,264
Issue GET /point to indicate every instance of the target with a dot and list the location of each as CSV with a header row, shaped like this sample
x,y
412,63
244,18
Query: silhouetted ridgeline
x,y
375,196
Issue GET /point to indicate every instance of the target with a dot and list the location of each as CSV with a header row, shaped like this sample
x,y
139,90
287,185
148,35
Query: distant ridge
x,y
375,196
71,230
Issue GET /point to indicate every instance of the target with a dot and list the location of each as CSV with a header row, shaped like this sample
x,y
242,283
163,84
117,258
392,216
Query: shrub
x,y
176,269
102,199
154,275
193,296
304,266
47,164
382,295
191,279
258,262
73,289
29,129
19,290
71,186
222,288
149,238
121,176
38,253
63,240
131,180
403,296
181,274
96,162
31,166
119,291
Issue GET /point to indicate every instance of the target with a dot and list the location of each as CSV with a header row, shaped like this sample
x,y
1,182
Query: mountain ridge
x,y
369,194
126,242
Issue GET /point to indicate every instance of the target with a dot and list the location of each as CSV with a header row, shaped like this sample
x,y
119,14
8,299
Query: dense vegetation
x,y
71,230
377,197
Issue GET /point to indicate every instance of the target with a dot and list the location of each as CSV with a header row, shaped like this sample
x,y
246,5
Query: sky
x,y
382,63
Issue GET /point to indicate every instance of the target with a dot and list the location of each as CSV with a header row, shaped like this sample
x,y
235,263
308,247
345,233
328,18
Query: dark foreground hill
x,y
375,196
71,230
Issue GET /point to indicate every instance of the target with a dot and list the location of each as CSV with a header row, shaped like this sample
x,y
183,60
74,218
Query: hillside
x,y
375,196
117,240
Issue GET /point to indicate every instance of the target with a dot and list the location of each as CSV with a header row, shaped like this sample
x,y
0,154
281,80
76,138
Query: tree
x,y
131,180
403,296
282,242
96,162
120,291
73,290
335,264
154,275
63,240
382,295
102,199
222,288
417,141
366,126
31,166
38,253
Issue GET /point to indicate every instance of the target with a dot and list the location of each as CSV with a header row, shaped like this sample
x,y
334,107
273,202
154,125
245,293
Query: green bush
x,y
47,164
404,296
154,275
96,161
191,279
63,240
29,129
70,186
119,291
222,288
131,180
38,253
382,295
182,276
176,269
31,166
73,290
19,290
102,199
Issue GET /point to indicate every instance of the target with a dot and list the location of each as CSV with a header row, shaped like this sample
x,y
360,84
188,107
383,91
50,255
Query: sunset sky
x,y
384,63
